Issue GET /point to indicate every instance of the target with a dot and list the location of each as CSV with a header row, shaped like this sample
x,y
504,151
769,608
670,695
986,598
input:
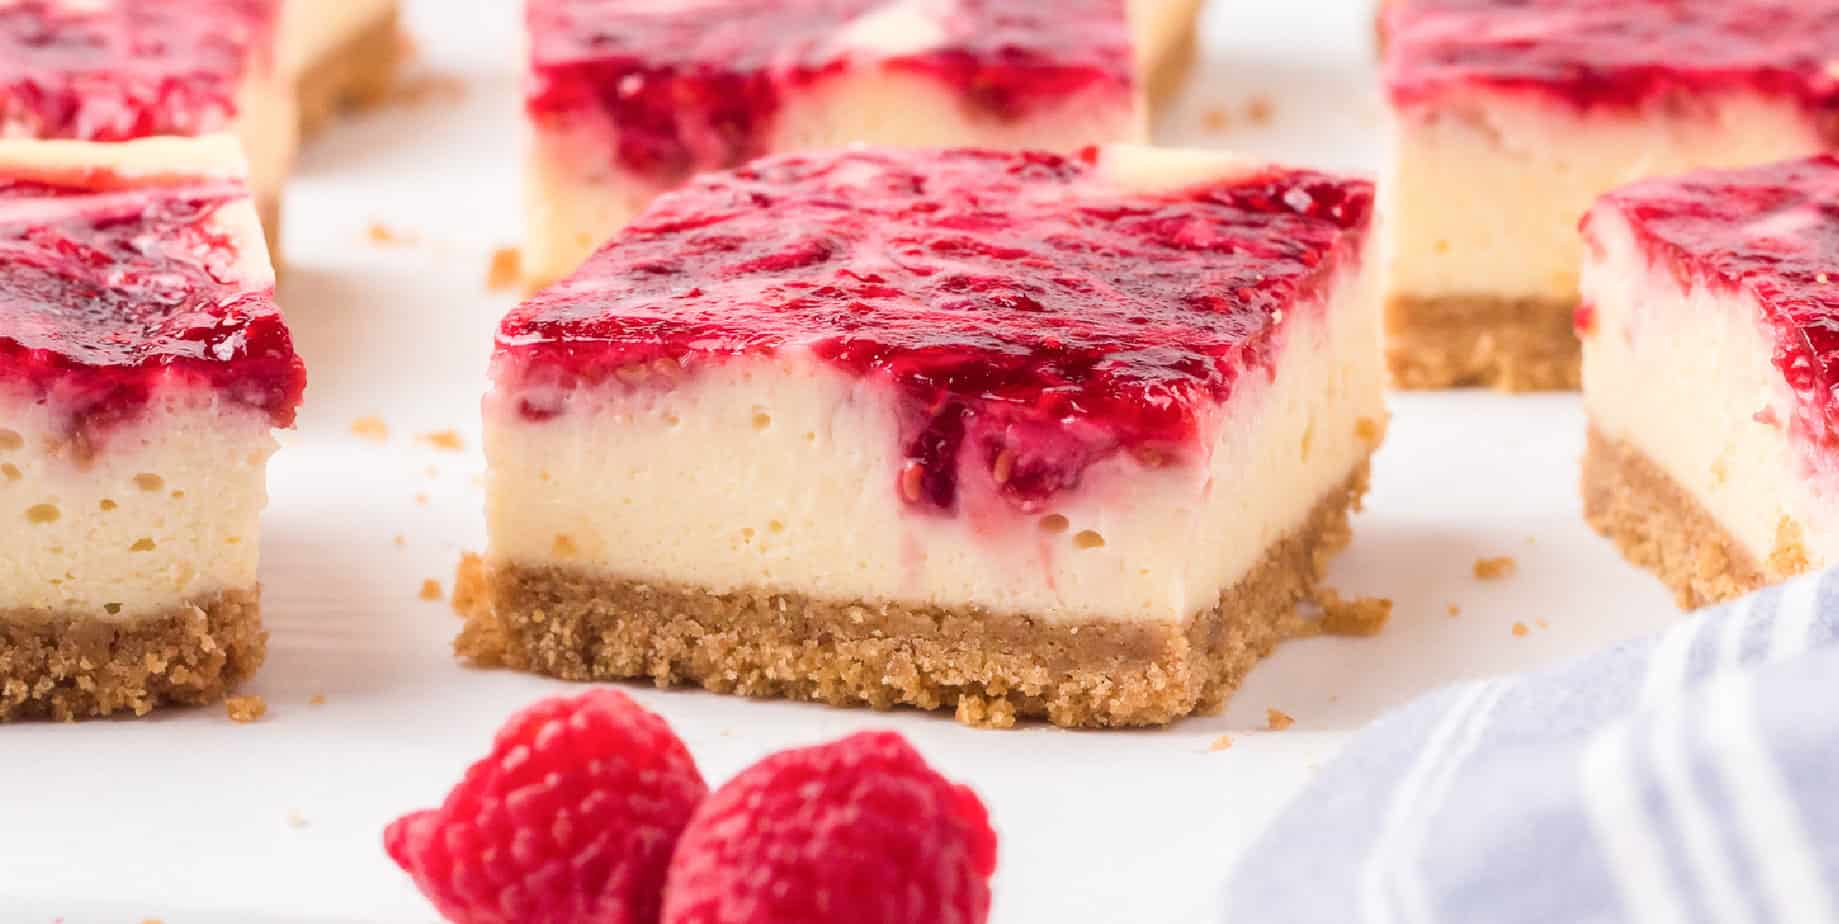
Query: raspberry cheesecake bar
x,y
1724,285
628,98
1509,118
115,70
1017,434
143,365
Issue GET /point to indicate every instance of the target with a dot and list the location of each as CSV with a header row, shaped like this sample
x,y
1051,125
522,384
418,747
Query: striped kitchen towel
x,y
1693,777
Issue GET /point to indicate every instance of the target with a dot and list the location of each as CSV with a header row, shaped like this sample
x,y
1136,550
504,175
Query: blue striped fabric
x,y
1692,777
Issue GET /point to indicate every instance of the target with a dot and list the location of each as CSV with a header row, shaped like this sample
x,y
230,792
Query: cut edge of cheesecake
x,y
90,659
990,669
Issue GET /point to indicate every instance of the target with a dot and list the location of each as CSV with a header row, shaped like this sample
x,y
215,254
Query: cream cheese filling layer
x,y
781,474
1687,377
1483,192
165,514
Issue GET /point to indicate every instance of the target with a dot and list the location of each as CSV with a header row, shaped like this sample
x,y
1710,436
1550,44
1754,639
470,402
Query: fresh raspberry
x,y
861,830
571,818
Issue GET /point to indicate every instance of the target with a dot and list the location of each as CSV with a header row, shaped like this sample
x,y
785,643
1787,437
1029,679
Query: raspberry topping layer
x,y
125,69
112,289
695,85
1031,318
1772,232
1616,53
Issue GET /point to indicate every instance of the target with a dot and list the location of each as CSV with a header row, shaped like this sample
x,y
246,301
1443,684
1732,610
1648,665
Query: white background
x,y
186,817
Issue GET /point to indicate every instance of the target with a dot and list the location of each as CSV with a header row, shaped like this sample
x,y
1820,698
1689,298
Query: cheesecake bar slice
x,y
143,365
629,98
1710,335
1509,118
1016,434
116,70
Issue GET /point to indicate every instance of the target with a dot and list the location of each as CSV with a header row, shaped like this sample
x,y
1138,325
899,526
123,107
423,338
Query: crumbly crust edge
x,y
1659,526
356,75
1509,344
73,666
992,669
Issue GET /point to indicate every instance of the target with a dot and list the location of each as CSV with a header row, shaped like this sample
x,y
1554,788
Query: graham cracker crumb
x,y
383,234
431,590
1368,430
401,541
507,270
1520,630
1216,119
445,440
1790,555
1494,569
1220,744
317,699
421,497
370,428
1454,611
1360,617
469,584
1260,110
246,709
1277,719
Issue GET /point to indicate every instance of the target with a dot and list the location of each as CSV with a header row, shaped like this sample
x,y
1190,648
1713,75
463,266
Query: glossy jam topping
x,y
115,70
112,291
694,84
1616,53
1031,318
1772,232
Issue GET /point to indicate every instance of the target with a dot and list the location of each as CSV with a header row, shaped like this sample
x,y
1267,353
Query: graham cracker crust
x,y
1513,345
991,668
268,208
1661,527
1170,73
356,75
72,667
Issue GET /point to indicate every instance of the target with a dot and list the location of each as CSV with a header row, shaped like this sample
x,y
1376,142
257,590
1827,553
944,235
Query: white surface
x,y
186,816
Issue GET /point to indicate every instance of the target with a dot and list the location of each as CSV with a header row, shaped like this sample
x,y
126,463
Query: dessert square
x,y
1710,333
628,99
1015,434
118,70
1509,117
143,366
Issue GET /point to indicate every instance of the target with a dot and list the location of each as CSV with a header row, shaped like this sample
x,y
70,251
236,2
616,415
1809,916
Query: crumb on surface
x,y
1260,110
1361,616
507,269
1454,611
1277,719
445,440
246,709
1221,743
381,233
371,428
317,699
1789,556
421,497
401,541
1520,630
431,590
1493,569
1216,119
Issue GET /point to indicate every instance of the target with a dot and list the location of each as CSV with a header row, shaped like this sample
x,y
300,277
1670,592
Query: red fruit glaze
x,y
855,831
112,290
571,818
695,85
131,69
1773,233
1015,303
1615,53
